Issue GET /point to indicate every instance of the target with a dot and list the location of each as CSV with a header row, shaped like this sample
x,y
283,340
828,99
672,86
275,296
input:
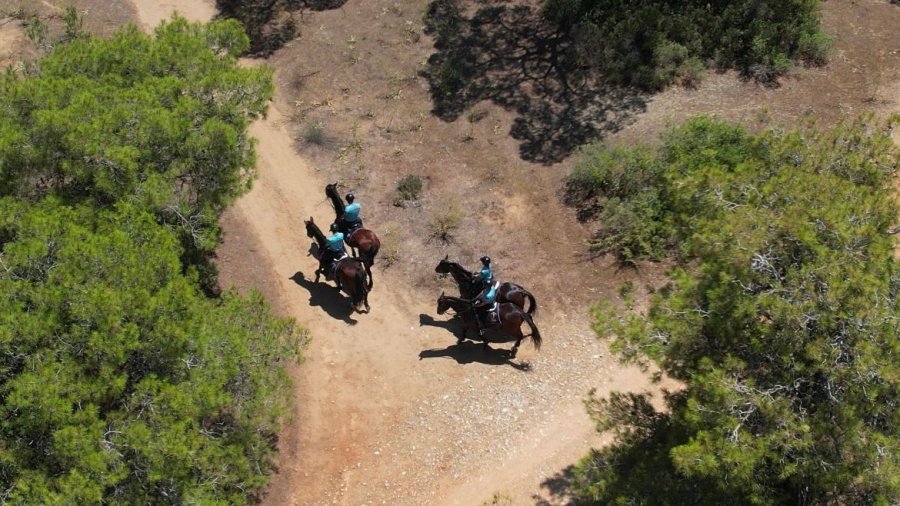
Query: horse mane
x,y
317,233
336,201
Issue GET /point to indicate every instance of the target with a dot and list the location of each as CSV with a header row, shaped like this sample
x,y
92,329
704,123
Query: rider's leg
x,y
478,322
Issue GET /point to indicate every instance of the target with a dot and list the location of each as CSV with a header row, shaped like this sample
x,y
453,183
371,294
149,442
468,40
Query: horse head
x,y
443,304
443,267
309,227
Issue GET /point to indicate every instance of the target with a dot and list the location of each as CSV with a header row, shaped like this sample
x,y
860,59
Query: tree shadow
x,y
327,297
509,54
560,488
465,351
270,23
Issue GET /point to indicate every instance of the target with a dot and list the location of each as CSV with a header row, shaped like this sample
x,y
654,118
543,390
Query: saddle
x,y
490,315
349,235
331,271
350,228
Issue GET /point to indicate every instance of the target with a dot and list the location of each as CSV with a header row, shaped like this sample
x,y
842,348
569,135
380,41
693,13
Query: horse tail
x,y
369,256
369,274
360,293
532,307
535,333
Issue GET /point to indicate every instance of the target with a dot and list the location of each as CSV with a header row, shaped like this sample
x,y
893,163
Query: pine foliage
x,y
782,325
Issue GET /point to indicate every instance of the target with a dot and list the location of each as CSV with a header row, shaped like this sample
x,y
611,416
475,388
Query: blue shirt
x,y
486,275
351,212
490,295
336,242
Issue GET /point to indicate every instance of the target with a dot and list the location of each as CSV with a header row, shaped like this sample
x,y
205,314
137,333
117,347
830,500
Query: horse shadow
x,y
465,351
327,297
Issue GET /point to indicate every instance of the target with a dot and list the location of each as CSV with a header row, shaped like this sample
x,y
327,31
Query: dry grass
x,y
444,221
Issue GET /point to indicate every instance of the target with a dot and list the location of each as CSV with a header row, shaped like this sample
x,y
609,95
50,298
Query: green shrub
x,y
788,289
408,188
314,133
654,43
443,222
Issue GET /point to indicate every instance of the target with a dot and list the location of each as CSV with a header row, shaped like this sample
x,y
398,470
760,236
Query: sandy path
x,y
150,13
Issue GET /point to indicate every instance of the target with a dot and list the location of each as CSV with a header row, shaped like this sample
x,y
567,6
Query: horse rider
x,y
485,275
334,251
352,221
488,294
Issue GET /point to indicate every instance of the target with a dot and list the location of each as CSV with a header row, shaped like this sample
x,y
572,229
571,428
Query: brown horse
x,y
511,319
362,239
350,273
470,286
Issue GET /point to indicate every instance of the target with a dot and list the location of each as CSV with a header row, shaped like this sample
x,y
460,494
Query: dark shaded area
x,y
560,488
326,296
509,54
271,23
654,43
637,467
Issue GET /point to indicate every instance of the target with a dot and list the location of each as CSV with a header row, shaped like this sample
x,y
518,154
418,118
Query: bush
x,y
121,381
148,392
314,133
390,252
408,188
788,290
651,44
443,222
621,189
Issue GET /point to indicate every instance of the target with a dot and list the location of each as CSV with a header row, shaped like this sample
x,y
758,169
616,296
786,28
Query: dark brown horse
x,y
349,272
362,239
470,286
511,319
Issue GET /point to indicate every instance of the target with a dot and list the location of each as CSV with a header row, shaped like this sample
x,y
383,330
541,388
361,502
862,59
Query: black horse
x,y
350,272
509,324
362,239
470,285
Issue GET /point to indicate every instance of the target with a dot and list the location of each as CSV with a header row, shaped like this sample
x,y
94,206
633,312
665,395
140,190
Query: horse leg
x,y
515,348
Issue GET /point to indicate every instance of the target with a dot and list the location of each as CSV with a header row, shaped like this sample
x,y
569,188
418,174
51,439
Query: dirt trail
x,y
377,419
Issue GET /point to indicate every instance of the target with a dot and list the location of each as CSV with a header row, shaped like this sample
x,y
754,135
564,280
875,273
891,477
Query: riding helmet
x,y
333,227
350,197
486,260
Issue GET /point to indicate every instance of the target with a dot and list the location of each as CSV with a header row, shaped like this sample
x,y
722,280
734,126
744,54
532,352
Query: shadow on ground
x,y
559,489
509,54
467,352
326,296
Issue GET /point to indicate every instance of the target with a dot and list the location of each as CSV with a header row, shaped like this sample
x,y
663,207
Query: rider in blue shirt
x,y
488,294
352,221
334,250
486,274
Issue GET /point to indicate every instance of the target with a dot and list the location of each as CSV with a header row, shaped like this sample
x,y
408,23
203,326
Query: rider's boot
x,y
480,326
